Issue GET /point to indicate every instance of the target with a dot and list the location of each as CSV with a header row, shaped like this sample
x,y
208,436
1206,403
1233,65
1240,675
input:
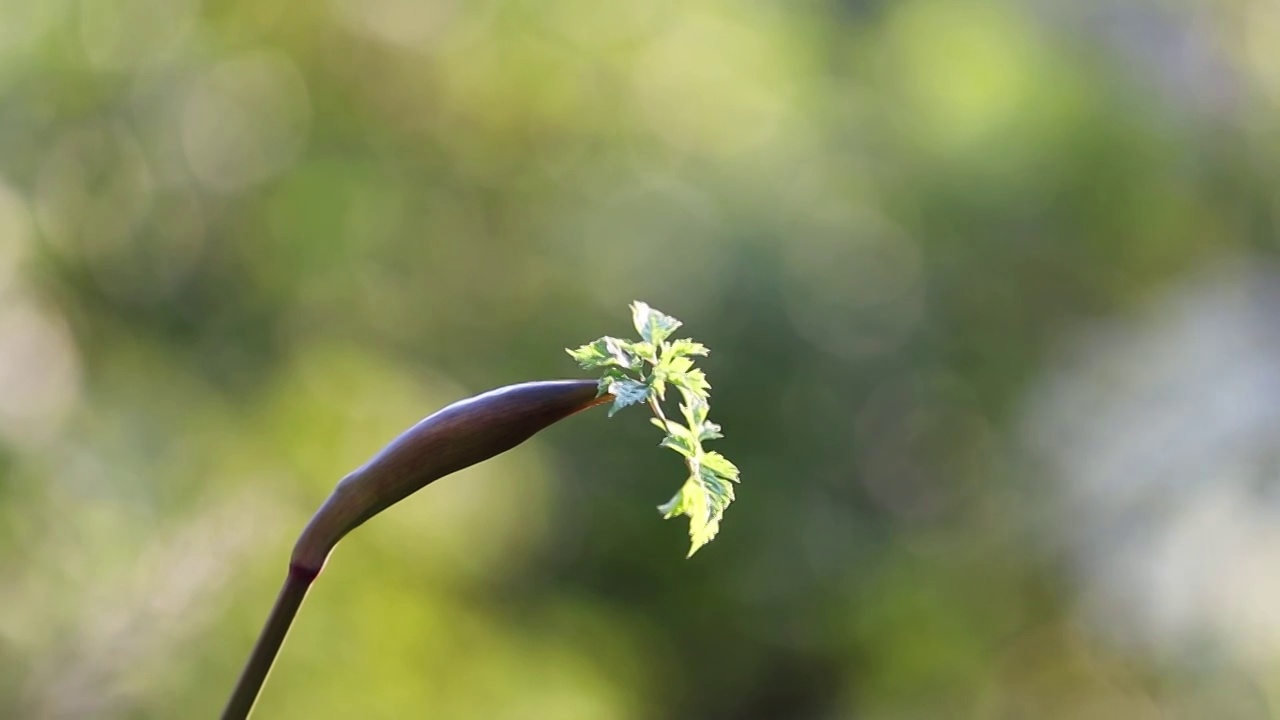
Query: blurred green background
x,y
990,287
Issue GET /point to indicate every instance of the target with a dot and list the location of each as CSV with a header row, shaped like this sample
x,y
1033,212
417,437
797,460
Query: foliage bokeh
x,y
990,290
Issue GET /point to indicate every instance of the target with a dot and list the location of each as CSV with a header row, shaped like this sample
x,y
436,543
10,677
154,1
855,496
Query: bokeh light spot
x,y
245,120
39,374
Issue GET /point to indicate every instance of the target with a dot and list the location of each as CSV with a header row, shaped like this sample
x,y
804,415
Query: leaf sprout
x,y
640,371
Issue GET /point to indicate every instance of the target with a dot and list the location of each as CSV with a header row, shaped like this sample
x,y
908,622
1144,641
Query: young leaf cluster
x,y
642,371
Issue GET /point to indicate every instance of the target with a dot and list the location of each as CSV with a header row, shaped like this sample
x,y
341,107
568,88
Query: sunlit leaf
x,y
703,499
680,348
627,392
720,465
652,325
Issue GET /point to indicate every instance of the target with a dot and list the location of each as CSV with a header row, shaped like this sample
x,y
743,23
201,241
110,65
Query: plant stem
x,y
256,669
456,437
656,407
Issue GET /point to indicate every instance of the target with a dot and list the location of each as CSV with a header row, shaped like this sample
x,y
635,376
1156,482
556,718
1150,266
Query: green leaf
x,y
626,392
673,369
695,381
694,409
720,465
645,351
659,385
680,348
675,366
653,326
673,507
608,378
681,440
590,356
620,353
703,499
606,352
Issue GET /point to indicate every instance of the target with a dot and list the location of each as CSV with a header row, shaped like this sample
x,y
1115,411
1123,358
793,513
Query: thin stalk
x,y
256,669
657,408
456,437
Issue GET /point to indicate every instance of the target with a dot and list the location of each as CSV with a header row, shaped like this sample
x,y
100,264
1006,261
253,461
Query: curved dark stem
x,y
296,584
456,437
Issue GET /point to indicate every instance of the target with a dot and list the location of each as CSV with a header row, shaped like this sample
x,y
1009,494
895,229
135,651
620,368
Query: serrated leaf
x,y
720,465
703,499
645,351
606,352
695,410
659,385
680,445
671,370
719,489
626,392
677,505
620,353
683,347
695,381
677,430
602,386
675,366
653,326
590,356
681,439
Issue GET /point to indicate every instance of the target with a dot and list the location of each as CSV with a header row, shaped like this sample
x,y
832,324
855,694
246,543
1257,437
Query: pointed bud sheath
x,y
456,437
